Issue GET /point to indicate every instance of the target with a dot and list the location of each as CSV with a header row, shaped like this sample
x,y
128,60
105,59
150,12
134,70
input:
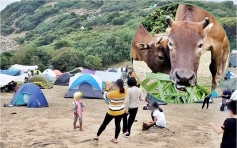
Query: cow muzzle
x,y
183,78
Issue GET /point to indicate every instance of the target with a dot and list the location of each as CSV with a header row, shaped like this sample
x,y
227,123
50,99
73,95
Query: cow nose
x,y
184,77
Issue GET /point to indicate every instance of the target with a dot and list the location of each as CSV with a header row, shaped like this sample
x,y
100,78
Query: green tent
x,y
41,80
228,84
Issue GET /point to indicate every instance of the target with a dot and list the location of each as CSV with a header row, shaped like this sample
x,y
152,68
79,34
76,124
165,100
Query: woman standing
x,y
132,99
116,109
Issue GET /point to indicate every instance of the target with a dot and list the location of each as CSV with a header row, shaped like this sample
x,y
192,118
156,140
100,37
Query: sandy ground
x,y
204,74
187,125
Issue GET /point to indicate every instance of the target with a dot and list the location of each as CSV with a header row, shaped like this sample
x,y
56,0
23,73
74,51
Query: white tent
x,y
24,67
50,73
5,79
109,76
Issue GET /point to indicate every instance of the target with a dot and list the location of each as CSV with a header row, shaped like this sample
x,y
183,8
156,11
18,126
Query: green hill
x,y
90,34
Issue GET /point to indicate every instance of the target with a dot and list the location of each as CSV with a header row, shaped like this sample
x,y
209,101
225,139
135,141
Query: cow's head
x,y
186,44
156,55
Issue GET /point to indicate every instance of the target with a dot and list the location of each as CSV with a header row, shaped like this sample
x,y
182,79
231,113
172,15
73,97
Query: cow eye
x,y
200,46
170,44
161,58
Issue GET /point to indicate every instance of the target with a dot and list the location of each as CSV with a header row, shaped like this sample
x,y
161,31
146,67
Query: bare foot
x,y
81,129
114,141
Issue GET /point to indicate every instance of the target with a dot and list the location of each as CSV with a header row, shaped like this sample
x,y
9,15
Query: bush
x,y
62,43
93,62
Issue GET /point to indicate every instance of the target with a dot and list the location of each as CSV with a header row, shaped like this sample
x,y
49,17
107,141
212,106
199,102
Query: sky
x,y
4,3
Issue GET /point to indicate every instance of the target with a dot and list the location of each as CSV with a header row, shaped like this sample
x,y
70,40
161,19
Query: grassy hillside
x,y
91,34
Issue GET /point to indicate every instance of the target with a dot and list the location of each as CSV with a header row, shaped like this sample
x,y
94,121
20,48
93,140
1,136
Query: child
x,y
158,117
77,106
228,129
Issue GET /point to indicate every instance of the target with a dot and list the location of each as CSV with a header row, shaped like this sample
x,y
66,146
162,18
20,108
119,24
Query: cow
x,y
194,32
151,50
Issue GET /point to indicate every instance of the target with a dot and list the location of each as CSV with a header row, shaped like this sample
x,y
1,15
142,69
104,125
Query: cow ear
x,y
169,21
207,29
142,46
168,31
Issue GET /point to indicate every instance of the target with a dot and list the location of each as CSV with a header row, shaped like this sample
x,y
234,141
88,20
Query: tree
x,y
93,62
62,43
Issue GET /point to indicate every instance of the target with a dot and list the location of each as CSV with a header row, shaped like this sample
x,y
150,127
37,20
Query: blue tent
x,y
89,85
214,94
48,77
30,95
11,73
150,99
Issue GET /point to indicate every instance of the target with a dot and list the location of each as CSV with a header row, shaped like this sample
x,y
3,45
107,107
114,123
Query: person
x,y
234,95
225,95
134,95
116,109
77,106
206,101
158,117
228,129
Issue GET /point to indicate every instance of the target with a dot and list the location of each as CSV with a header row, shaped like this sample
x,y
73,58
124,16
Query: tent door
x,y
22,99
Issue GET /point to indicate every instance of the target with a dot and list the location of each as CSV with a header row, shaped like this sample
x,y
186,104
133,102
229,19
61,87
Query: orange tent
x,y
57,72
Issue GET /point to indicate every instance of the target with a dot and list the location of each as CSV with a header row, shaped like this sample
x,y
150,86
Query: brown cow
x,y
193,32
150,50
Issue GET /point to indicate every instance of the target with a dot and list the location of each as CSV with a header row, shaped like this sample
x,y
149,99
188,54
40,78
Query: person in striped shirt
x,y
116,109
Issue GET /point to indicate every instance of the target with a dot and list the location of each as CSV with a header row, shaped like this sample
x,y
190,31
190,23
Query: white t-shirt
x,y
160,118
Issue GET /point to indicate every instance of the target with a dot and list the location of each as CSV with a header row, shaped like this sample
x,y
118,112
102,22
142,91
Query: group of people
x,y
123,105
11,86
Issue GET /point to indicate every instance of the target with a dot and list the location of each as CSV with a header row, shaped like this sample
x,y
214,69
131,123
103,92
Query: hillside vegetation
x,y
90,34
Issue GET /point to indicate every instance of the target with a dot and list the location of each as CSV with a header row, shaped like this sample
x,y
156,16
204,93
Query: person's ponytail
x,y
120,84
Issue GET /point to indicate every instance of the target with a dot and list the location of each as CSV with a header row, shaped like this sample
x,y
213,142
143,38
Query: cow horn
x,y
169,20
205,22
158,42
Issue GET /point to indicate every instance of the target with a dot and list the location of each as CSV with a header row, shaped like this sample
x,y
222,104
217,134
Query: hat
x,y
77,94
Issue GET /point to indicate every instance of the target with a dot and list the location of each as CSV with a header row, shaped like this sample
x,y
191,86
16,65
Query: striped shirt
x,y
116,103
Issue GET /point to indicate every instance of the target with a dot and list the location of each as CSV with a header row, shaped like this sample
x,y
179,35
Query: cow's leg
x,y
215,66
225,55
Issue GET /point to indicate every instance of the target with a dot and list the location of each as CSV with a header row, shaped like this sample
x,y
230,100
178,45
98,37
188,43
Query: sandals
x,y
113,140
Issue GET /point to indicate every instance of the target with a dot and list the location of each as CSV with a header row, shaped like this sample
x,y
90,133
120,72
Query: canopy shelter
x,y
5,79
29,95
228,84
50,73
63,79
90,86
41,81
109,76
150,99
57,72
11,73
24,67
48,77
89,71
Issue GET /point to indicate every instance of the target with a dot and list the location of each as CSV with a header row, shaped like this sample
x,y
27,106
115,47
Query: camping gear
x,y
50,73
214,94
37,72
24,67
150,99
29,94
41,81
11,73
48,77
89,85
228,84
63,79
111,70
109,76
57,72
89,71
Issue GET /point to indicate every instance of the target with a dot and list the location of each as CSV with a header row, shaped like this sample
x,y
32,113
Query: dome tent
x,y
41,80
89,85
57,72
48,77
50,73
30,95
63,79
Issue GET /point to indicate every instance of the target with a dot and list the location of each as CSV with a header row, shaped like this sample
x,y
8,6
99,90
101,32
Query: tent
x,y
233,60
30,95
57,72
111,70
37,72
150,99
11,73
50,73
228,84
41,80
89,85
24,67
51,67
48,77
5,79
109,76
89,71
214,94
63,79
